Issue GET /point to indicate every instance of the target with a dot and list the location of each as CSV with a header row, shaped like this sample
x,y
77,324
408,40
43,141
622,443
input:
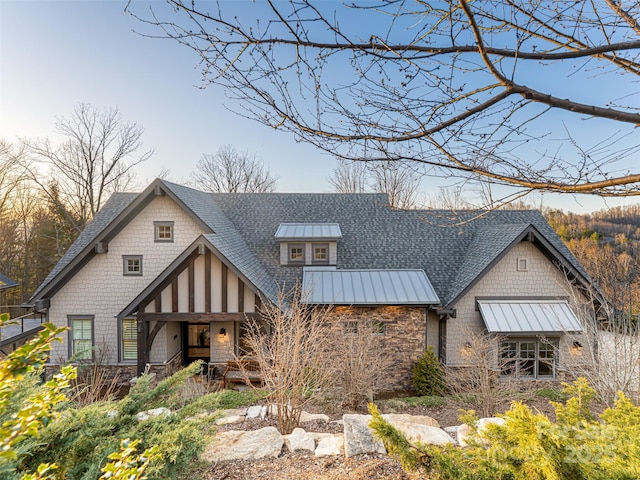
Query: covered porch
x,y
196,309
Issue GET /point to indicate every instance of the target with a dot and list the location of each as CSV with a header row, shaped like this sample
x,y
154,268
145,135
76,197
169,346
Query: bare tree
x,y
495,91
292,355
400,183
97,159
349,177
231,171
607,351
12,172
397,181
359,362
486,381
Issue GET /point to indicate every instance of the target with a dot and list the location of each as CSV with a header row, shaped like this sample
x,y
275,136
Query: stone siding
x,y
403,342
101,290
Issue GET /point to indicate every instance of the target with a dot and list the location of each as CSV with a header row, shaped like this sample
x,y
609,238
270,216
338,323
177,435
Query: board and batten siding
x,y
101,290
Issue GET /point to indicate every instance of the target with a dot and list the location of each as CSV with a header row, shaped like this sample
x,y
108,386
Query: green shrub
x,y
552,394
530,446
82,440
428,376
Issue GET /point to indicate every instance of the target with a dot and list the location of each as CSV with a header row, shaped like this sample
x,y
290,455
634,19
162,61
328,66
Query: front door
x,y
197,338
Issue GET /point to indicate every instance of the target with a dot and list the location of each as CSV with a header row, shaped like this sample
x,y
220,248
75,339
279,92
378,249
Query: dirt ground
x,y
307,466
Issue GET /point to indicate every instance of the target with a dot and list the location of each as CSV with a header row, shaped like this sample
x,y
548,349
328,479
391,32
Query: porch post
x,y
143,350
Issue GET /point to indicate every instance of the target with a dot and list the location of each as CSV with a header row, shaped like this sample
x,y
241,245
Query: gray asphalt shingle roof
x,y
373,235
6,282
107,214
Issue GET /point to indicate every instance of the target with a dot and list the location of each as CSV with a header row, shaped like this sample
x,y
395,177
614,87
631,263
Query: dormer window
x,y
308,243
320,253
163,231
296,253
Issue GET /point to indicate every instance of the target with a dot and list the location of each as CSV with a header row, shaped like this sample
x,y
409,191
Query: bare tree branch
x,y
477,90
231,171
97,159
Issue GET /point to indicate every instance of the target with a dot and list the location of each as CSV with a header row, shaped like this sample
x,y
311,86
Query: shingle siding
x,y
541,279
100,289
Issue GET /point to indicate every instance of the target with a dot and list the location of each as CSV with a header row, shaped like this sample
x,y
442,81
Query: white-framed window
x,y
129,339
529,358
378,328
296,253
320,253
351,327
132,265
81,337
163,231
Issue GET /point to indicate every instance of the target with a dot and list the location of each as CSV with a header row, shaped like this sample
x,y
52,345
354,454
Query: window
x,y
132,264
529,358
378,328
296,253
351,328
129,339
163,231
81,338
320,253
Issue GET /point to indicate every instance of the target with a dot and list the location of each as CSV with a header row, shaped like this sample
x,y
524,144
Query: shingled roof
x,y
116,204
243,225
454,255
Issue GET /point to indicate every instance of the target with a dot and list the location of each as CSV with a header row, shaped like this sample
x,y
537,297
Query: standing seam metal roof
x,y
367,287
302,231
527,316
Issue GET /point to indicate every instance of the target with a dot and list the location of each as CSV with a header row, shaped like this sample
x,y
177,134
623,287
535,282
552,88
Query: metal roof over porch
x,y
367,287
528,316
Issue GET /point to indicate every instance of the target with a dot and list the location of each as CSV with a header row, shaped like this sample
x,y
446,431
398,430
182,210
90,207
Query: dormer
x,y
308,243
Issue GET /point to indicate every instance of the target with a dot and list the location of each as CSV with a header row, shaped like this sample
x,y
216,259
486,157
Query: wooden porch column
x,y
143,348
146,338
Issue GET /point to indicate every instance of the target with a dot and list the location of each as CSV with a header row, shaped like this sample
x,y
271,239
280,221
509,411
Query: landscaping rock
x,y
426,434
230,419
242,412
155,412
464,431
251,445
254,412
310,417
416,419
358,437
299,439
332,444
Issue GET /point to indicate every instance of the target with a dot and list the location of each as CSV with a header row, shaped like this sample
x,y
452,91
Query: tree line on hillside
x,y
607,244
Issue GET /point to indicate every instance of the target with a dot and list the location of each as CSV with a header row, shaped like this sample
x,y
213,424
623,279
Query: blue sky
x,y
54,54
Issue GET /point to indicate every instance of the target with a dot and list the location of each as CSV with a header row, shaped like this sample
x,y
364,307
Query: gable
x,y
199,280
113,217
494,242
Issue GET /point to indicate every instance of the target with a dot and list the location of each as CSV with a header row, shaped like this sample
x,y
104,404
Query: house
x,y
172,274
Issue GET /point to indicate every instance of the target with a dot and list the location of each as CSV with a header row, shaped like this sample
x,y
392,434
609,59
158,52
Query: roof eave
x,y
557,255
156,188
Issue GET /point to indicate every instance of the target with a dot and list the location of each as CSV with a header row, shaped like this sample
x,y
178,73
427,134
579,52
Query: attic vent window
x,y
522,264
132,265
